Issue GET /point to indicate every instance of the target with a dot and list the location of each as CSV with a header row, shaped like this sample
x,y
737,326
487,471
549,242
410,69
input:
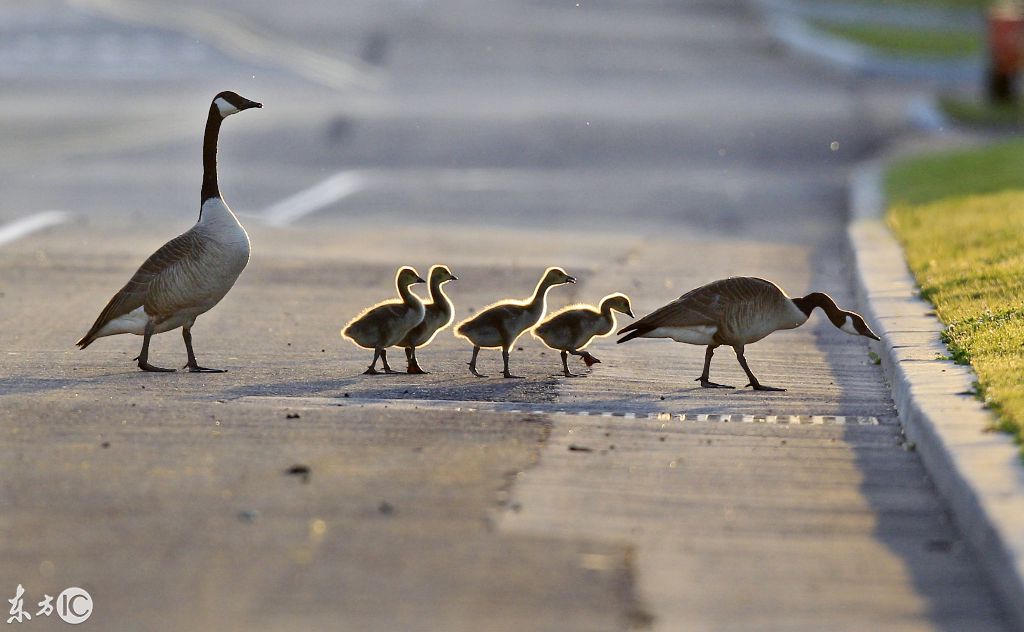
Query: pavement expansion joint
x,y
547,408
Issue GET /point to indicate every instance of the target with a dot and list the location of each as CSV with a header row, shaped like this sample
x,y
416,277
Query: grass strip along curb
x,y
960,219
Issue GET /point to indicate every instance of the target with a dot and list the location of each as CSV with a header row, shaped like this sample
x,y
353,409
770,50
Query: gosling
x,y
387,323
736,312
501,324
571,329
439,314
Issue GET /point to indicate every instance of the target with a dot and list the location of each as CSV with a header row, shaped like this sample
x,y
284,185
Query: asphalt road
x,y
647,148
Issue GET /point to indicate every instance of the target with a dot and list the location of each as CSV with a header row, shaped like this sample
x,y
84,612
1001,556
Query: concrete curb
x,y
978,472
795,32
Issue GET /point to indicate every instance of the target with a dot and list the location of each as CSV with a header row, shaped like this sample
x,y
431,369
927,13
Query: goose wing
x,y
704,306
135,293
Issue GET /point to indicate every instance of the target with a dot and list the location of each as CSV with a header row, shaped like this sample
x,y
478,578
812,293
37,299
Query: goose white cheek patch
x,y
225,108
849,328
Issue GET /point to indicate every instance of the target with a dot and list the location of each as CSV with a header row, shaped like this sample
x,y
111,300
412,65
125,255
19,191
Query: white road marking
x,y
331,190
27,225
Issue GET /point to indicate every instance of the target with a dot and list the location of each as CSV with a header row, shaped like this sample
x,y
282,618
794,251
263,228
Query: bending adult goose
x,y
189,274
501,324
386,323
572,328
736,312
439,314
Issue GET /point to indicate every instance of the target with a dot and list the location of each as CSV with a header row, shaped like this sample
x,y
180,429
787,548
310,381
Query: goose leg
x,y
704,379
565,365
504,358
193,366
143,356
384,359
414,366
757,386
373,365
472,363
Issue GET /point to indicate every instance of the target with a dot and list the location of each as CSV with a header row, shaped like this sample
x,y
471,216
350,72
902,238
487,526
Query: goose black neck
x,y
210,188
806,304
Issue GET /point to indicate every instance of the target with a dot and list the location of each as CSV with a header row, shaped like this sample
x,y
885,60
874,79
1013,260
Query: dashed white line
x,y
331,190
27,225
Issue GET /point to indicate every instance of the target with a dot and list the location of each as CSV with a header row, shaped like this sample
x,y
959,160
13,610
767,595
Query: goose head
x,y
407,276
227,103
441,274
854,324
556,276
618,302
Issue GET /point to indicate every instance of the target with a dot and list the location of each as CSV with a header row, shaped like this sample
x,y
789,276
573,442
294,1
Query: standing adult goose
x,y
736,312
387,323
572,328
439,314
189,274
501,324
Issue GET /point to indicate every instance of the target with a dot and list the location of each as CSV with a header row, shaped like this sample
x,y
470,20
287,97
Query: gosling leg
x,y
193,366
589,359
757,386
565,365
506,372
143,356
704,378
413,365
373,365
384,359
472,363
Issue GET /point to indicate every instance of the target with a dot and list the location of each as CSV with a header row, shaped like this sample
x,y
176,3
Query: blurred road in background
x,y
647,147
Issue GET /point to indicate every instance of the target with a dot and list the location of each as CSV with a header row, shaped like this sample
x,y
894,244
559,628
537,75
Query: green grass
x,y
962,228
975,113
908,42
931,4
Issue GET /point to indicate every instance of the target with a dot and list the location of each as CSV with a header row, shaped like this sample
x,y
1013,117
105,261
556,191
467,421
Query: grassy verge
x,y
960,218
908,42
976,113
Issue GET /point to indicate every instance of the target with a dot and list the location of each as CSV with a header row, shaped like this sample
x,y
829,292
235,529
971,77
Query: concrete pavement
x,y
646,149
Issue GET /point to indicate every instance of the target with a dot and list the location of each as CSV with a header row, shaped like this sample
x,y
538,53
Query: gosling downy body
x,y
736,312
571,329
386,324
191,273
439,313
501,324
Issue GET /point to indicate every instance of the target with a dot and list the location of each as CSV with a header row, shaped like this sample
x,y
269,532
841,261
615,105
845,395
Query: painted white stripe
x,y
331,190
27,225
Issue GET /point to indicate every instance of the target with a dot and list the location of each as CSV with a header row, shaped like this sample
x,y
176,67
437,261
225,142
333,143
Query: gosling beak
x,y
419,279
570,279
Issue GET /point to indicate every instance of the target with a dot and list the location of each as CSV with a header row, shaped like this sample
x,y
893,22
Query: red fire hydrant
x,y
1005,29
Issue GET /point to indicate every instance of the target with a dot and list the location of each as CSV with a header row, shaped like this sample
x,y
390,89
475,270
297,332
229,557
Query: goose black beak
x,y
454,278
419,280
571,279
253,104
629,313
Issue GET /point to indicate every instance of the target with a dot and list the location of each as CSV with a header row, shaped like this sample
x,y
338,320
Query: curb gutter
x,y
979,472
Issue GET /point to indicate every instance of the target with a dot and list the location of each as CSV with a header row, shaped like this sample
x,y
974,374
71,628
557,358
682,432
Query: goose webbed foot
x,y
571,374
146,366
472,369
706,383
762,387
195,368
371,371
509,376
415,369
